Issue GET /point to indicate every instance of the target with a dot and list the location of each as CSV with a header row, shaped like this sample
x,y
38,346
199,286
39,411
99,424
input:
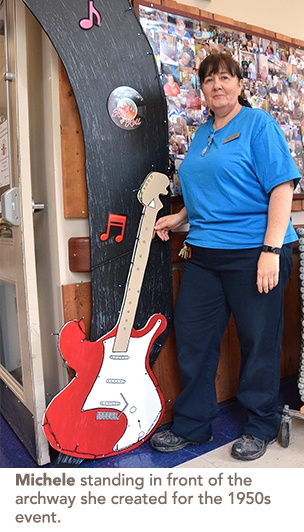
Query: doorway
x,y
23,396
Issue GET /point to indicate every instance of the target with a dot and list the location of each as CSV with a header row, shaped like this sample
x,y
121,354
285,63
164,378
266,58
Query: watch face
x,y
126,108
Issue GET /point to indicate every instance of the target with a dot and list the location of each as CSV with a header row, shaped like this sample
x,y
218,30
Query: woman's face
x,y
221,91
185,59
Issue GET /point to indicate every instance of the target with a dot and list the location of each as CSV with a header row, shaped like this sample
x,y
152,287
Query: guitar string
x,y
121,255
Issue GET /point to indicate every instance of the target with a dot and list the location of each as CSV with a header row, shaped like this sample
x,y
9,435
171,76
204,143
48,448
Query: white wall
x,y
275,15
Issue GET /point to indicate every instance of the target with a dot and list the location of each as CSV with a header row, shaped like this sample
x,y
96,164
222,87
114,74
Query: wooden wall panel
x,y
166,367
298,203
77,303
291,342
72,152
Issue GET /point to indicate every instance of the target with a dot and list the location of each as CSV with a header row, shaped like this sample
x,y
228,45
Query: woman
x,y
179,29
171,88
237,182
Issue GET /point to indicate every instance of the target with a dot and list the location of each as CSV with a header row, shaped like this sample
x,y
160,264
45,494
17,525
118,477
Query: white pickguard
x,y
124,384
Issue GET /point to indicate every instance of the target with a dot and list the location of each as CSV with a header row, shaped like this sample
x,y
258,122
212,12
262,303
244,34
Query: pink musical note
x,y
93,18
115,220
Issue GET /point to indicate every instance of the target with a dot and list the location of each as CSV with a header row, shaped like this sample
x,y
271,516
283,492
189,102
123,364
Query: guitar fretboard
x,y
135,277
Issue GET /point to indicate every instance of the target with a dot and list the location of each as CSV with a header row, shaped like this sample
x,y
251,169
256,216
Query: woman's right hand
x,y
168,223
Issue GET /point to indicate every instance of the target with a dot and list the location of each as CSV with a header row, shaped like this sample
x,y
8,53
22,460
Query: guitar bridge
x,y
107,416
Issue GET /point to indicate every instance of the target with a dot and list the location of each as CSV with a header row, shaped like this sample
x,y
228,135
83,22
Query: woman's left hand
x,y
267,272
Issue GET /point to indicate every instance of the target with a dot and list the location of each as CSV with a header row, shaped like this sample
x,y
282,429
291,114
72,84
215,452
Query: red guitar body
x,y
104,411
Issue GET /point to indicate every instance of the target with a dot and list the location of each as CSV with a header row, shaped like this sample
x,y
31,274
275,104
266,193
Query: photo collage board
x,y
273,78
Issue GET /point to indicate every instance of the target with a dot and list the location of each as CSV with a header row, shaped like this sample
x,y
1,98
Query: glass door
x,y
21,372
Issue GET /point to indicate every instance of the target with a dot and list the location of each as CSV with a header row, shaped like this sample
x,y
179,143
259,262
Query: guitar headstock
x,y
154,185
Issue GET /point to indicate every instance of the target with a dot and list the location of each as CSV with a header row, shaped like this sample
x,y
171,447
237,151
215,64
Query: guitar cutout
x,y
114,403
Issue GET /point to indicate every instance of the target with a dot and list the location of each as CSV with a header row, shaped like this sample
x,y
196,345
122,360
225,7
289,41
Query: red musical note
x,y
88,23
115,220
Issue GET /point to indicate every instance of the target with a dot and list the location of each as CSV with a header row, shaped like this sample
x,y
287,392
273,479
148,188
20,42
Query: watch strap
x,y
270,249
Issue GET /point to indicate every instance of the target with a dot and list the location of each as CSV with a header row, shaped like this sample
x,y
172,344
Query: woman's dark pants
x,y
214,284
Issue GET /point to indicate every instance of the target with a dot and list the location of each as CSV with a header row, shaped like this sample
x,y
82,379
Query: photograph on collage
x,y
273,79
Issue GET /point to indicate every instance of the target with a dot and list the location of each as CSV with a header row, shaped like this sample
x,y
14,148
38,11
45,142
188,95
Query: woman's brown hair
x,y
212,64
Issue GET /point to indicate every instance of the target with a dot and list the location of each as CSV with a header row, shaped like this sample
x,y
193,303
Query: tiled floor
x,y
227,427
276,456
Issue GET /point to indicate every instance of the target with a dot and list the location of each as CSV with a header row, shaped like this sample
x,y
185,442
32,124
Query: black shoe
x,y
166,442
249,447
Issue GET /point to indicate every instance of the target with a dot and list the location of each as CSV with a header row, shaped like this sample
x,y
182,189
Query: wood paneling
x,y
79,254
298,203
166,367
75,198
291,342
77,303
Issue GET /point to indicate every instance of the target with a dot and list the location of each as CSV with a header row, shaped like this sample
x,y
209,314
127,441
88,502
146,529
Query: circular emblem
x,y
126,108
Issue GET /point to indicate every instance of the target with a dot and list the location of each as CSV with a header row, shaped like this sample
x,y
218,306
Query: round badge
x,y
126,108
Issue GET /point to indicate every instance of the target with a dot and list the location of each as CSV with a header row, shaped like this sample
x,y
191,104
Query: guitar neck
x,y
135,278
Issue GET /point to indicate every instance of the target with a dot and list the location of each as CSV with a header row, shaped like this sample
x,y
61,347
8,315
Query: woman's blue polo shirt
x,y
226,191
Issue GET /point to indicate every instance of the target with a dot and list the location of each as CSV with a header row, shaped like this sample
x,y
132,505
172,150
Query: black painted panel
x,y
114,53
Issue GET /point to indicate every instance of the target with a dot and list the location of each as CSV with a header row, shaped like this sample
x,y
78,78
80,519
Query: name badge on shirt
x,y
232,137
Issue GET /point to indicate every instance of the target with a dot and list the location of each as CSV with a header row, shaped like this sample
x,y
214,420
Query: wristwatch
x,y
270,249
